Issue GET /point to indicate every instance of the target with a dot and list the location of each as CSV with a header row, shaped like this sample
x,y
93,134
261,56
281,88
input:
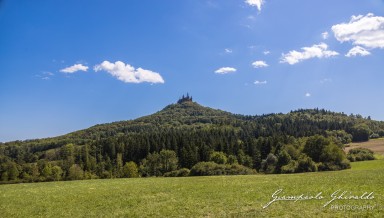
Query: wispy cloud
x,y
367,31
257,82
228,51
45,75
315,51
225,70
128,74
325,35
259,64
357,51
266,52
74,68
307,94
326,80
255,3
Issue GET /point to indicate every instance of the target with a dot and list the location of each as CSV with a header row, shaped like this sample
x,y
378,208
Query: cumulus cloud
x,y
74,68
255,3
358,51
257,82
225,70
325,35
259,64
367,31
128,74
315,51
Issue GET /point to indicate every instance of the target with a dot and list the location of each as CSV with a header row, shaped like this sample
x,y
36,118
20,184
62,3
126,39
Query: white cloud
x,y
315,51
259,64
357,50
307,94
227,50
128,74
367,31
225,70
266,52
74,68
257,82
325,35
255,3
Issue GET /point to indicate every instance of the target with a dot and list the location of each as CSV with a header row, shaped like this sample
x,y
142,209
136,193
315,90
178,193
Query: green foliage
x,y
291,167
130,170
340,135
168,161
178,173
315,146
244,159
212,168
326,153
306,164
269,164
283,159
218,157
360,154
156,164
192,132
360,132
75,172
150,166
232,159
57,173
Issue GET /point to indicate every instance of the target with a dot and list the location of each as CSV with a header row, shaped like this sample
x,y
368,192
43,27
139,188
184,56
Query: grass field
x,y
219,196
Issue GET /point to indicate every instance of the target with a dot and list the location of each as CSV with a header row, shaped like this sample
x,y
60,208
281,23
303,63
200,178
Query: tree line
x,y
188,139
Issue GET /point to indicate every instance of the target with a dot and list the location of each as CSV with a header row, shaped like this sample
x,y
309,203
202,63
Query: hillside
x,y
193,132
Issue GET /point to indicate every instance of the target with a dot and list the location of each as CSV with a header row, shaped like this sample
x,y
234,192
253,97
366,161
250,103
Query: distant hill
x,y
189,129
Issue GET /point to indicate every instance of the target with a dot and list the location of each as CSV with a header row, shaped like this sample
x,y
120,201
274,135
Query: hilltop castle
x,y
184,99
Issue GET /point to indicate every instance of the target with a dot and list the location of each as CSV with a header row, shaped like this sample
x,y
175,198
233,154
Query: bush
x,y
130,170
218,157
306,164
232,159
75,172
291,167
331,166
360,154
269,165
178,173
212,168
360,132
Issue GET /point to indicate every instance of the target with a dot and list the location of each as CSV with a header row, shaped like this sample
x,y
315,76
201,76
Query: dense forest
x,y
188,139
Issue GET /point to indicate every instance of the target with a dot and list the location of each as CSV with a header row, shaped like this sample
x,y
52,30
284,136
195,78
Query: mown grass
x,y
376,145
218,196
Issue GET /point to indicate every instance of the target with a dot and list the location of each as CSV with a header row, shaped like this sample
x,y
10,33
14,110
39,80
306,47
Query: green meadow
x,y
216,196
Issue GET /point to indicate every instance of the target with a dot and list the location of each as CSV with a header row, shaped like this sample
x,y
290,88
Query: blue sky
x,y
68,64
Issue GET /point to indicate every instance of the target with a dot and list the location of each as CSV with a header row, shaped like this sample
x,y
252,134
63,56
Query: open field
x,y
216,196
376,145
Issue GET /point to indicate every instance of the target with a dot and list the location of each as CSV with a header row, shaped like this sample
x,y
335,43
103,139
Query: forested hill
x,y
192,132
